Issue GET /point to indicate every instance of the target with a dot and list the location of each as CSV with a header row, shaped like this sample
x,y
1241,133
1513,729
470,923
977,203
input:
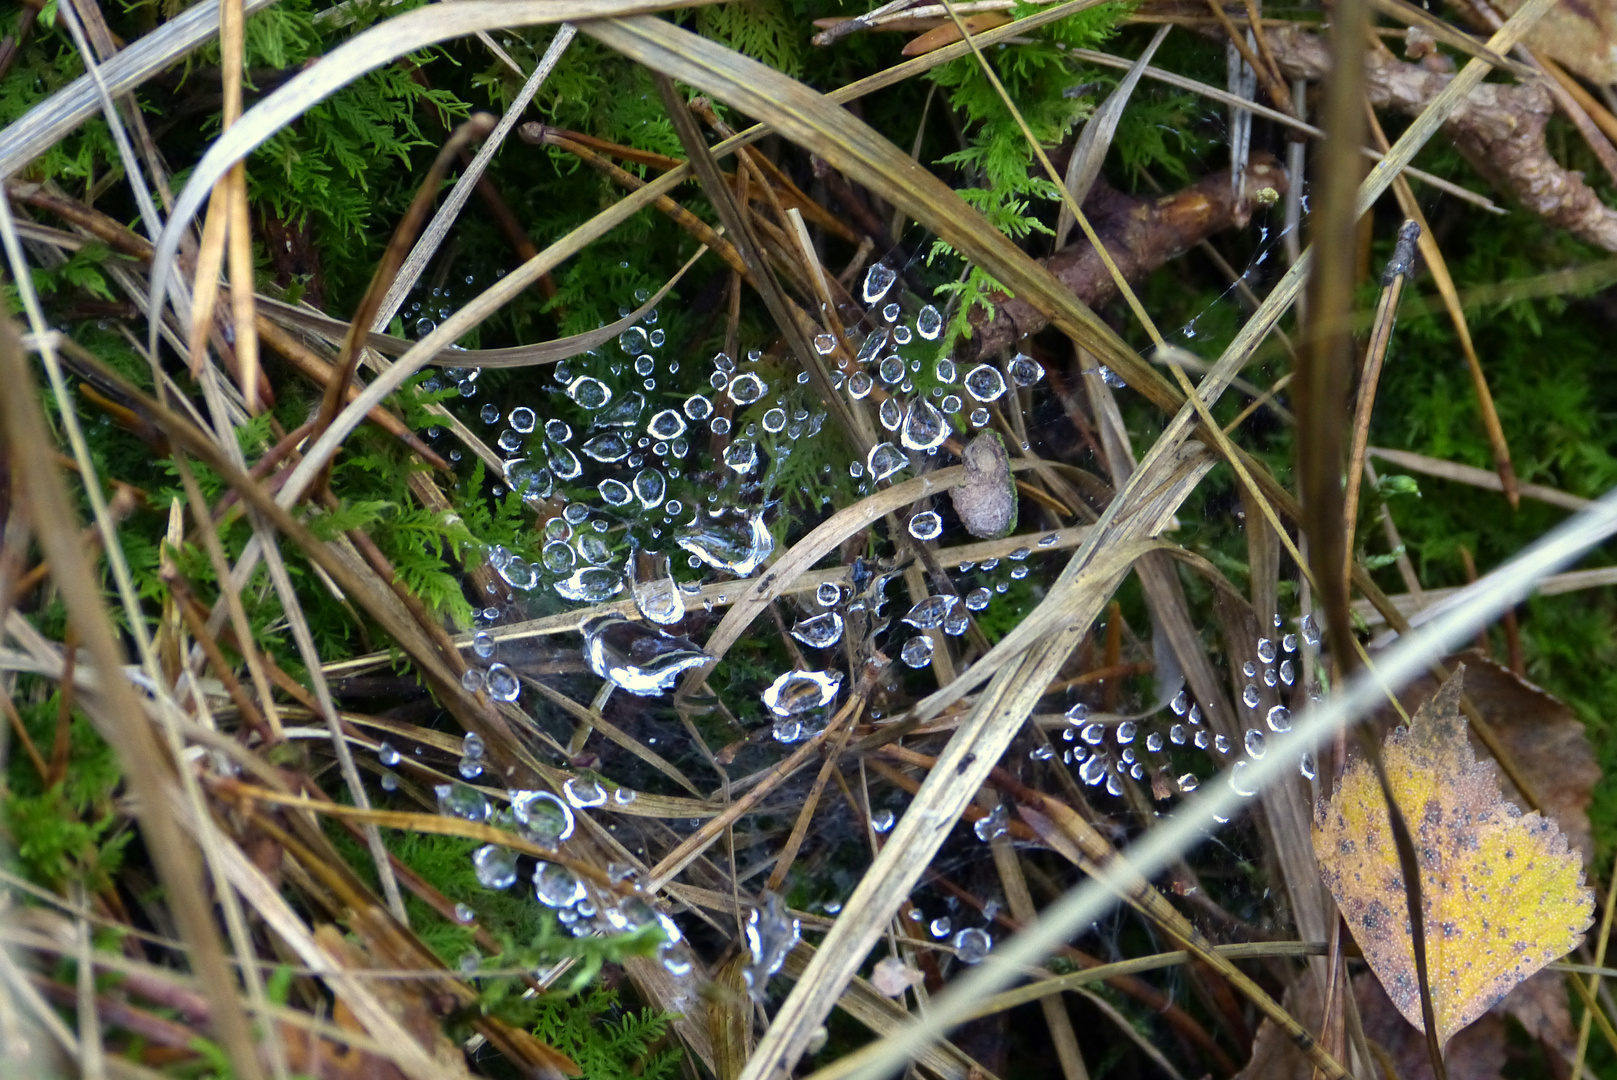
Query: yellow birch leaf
x,y
1502,893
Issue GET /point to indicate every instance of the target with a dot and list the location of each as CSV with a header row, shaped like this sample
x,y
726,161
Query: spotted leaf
x,y
1503,895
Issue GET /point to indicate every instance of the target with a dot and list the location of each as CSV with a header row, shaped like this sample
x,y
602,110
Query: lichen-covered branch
x,y
1499,129
1140,234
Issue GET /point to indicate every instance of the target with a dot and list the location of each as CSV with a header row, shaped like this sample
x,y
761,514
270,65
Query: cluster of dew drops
x,y
1104,753
633,457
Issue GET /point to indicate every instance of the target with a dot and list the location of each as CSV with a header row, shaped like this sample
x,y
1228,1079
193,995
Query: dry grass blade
x,y
380,45
143,759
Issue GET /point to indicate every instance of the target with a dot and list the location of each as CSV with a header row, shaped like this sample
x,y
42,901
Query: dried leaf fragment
x,y
1502,893
893,976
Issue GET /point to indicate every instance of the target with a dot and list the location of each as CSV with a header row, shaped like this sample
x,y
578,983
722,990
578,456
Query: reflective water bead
x,y
1202,740
590,392
1269,677
471,680
496,866
1249,669
1310,630
878,279
891,312
509,441
1195,714
555,430
1176,734
1153,742
1250,696
824,343
859,385
667,424
901,335
472,745
745,389
1221,744
924,427
993,824
387,755
775,421
555,886
1078,713
950,404
828,593
1188,783
1289,643
1306,766
929,613
1093,770
464,914
482,645
929,322
490,413
926,525
1279,719
882,820
462,801
886,459
872,346
632,341
977,599
1024,370
1256,744
1288,674
940,927
741,456
1179,703
502,683
979,417
1239,783
1114,785
985,383
819,631
917,652
798,692
1125,732
719,425
890,414
891,369
615,492
1093,734
1266,650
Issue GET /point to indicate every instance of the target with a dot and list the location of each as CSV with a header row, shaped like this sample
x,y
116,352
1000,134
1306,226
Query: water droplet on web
x,y
1024,370
1153,742
741,456
541,817
1279,719
901,335
496,866
828,593
1125,732
775,421
730,540
558,556
583,793
589,392
509,441
977,599
564,464
973,945
655,592
462,801
667,424
1288,674
886,459
555,886
746,389
1093,770
992,824
891,369
979,417
1221,744
1256,744
615,492
1269,677
1310,630
490,413
878,279
1306,766
633,341
387,755
1202,740
502,683
555,430
1188,783
589,584
635,657
940,927
771,934
1289,643
471,680
859,385
955,625
917,652
929,613
1250,696
464,914
985,383
1176,734
924,427
798,692
927,525
824,343
1239,782
882,820
1266,650
472,745
890,414
1093,734
819,631
929,322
